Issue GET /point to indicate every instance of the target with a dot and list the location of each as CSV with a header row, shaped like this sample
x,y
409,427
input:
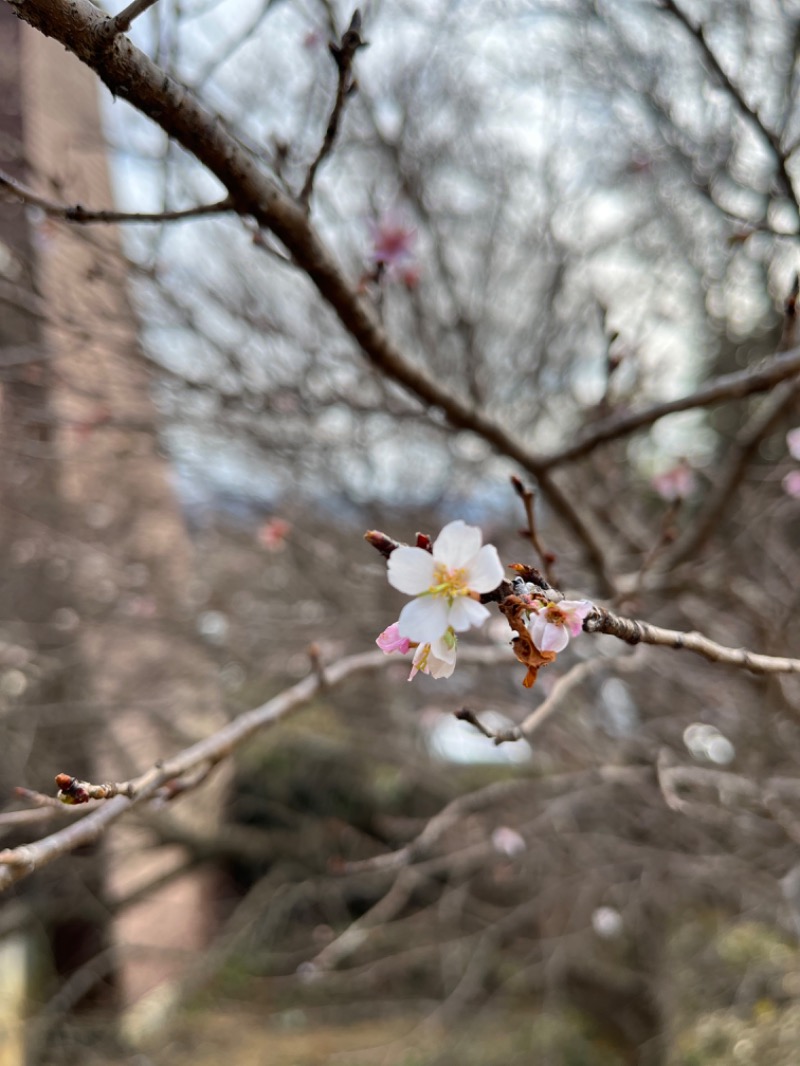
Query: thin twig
x,y
121,23
546,558
165,777
666,536
728,387
500,792
84,216
423,844
563,688
343,54
80,28
498,736
743,450
380,913
735,93
41,809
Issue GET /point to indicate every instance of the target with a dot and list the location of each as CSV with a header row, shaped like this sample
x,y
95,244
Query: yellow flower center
x,y
449,583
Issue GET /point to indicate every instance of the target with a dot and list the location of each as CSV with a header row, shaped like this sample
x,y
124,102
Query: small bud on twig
x,y
381,542
73,792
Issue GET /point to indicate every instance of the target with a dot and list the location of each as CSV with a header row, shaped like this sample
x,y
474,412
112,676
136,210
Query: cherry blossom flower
x,y
676,483
447,583
556,622
793,442
390,641
791,484
437,659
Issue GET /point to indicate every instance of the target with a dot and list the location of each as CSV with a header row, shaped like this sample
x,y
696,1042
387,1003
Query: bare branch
x,y
528,501
555,701
132,76
633,631
82,215
165,778
480,799
499,736
728,387
565,688
343,54
744,448
768,135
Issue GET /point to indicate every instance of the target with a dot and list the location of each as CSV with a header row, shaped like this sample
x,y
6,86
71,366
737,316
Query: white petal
x,y
485,571
554,638
576,611
536,630
440,667
424,619
456,544
548,637
411,571
579,607
466,613
444,651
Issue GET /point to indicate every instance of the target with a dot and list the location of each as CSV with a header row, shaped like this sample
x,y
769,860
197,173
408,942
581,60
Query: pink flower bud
x,y
390,641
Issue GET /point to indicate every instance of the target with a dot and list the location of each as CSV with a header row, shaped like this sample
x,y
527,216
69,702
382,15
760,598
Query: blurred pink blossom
x,y
313,39
141,607
272,535
393,249
793,442
676,483
791,484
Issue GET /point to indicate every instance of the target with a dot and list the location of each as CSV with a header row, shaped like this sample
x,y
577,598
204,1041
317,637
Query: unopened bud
x,y
381,542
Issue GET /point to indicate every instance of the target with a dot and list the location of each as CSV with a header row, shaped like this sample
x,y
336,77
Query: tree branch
x,y
132,76
744,448
121,23
633,631
769,136
80,214
343,54
733,386
564,688
166,777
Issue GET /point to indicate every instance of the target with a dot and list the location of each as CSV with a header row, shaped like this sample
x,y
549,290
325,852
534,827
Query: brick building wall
x,y
102,519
